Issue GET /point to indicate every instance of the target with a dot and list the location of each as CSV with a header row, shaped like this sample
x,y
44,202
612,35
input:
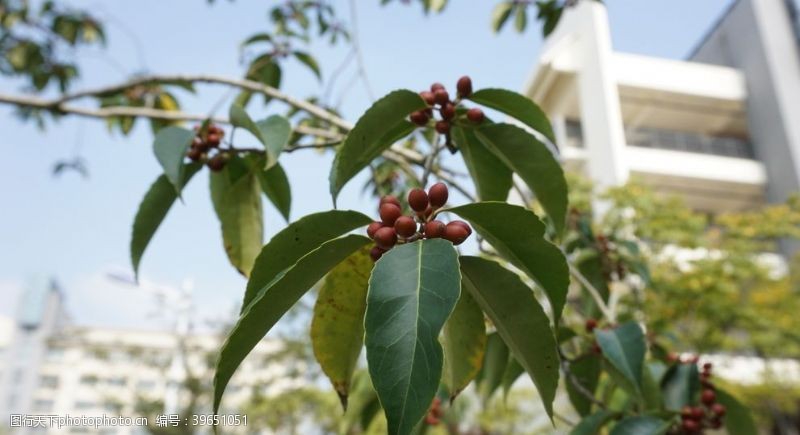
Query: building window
x,y
43,405
146,385
117,381
574,133
84,404
88,380
48,381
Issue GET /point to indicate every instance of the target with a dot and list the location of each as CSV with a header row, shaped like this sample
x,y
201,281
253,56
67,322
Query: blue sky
x,y
75,230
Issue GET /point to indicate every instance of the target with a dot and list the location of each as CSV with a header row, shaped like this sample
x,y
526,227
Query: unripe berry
x,y
464,86
217,162
455,233
427,96
372,228
441,97
434,229
385,238
389,199
718,409
418,200
708,397
690,426
213,139
443,127
405,226
419,117
590,325
389,213
448,111
436,87
438,194
475,115
375,253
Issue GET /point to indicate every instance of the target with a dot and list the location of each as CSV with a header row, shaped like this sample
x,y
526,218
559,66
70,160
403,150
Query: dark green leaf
x,y
272,302
295,241
500,14
337,326
584,371
516,106
641,425
534,163
513,371
464,343
738,420
274,183
309,61
152,211
518,235
680,386
519,320
170,148
591,425
376,130
412,291
494,364
492,178
624,347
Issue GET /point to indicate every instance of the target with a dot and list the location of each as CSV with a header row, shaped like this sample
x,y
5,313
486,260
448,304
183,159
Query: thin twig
x,y
362,71
598,299
430,160
576,382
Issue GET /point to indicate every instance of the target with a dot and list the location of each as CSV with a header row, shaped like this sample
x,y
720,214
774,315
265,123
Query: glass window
x,y
48,381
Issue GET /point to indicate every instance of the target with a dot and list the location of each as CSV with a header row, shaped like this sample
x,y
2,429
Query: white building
x,y
721,129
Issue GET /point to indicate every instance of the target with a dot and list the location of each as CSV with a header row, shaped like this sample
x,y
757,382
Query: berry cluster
x,y
204,142
435,413
438,98
707,414
395,228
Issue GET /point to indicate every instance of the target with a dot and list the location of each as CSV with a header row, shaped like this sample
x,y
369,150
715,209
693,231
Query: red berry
x,y
194,154
437,87
217,163
428,212
706,383
698,413
464,86
372,228
707,367
213,139
475,115
596,349
464,225
375,253
686,413
434,229
448,111
708,397
443,127
437,195
418,200
716,423
431,420
385,238
590,325
427,96
391,199
405,226
389,213
690,426
215,130
455,233
718,409
441,97
419,117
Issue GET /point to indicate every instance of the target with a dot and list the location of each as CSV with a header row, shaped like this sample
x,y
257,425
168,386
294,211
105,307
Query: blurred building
x,y
721,128
50,366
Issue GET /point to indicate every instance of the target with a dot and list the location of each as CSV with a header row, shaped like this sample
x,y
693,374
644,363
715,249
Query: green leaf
x,y
412,291
585,371
337,326
641,425
738,420
295,241
381,125
170,148
624,347
516,106
236,196
518,235
591,425
495,361
534,163
152,211
680,386
363,406
274,183
519,320
500,15
492,178
274,300
651,392
464,344
273,132
521,18
513,371
309,61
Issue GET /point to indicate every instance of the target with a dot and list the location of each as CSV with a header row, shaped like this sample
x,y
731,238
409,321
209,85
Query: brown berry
x,y
419,117
596,349
213,139
385,238
443,127
708,366
431,420
475,115
718,409
708,397
213,129
590,325
389,213
418,200
455,233
441,97
428,97
686,413
690,426
437,87
437,195
716,423
698,413
390,199
464,225
375,253
194,154
434,229
372,228
405,226
448,111
217,162
464,86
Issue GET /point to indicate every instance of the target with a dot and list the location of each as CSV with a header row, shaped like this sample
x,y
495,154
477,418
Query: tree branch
x,y
598,299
